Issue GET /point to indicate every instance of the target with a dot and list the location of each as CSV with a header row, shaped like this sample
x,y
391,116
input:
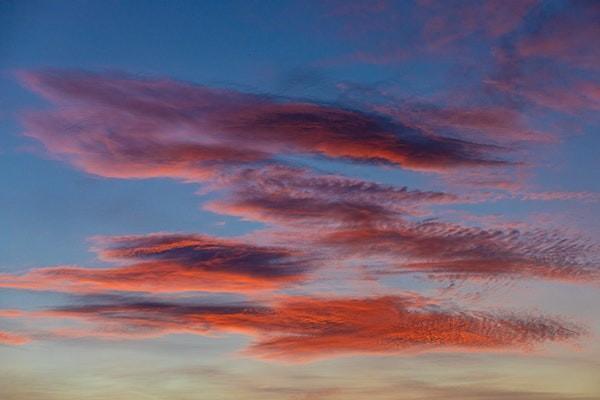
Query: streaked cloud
x,y
172,263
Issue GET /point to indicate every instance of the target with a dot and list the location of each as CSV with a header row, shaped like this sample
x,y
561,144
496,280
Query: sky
x,y
299,200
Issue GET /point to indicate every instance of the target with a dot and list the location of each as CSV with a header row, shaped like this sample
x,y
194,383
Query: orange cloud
x,y
304,328
172,263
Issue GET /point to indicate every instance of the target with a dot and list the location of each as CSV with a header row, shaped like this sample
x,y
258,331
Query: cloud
x,y
286,195
566,36
552,64
172,263
498,124
394,32
454,250
590,197
122,126
547,87
448,22
353,220
307,328
12,339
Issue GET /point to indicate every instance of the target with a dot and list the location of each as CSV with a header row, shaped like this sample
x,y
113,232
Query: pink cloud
x,y
121,126
12,339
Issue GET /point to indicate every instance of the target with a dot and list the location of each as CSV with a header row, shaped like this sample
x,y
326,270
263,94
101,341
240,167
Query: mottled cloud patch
x,y
172,263
121,126
305,328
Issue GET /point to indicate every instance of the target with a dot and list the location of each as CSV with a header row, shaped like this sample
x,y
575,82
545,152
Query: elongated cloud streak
x,y
120,126
285,195
455,250
304,328
172,263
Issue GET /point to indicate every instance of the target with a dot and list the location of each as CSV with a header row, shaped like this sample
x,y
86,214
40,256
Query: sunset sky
x,y
300,200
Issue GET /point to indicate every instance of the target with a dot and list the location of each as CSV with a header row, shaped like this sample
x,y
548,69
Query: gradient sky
x,y
299,200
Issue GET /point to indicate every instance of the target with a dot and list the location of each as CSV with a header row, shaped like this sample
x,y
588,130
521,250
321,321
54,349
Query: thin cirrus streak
x,y
308,328
172,263
108,125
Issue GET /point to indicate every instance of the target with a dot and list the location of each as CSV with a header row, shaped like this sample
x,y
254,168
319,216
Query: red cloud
x,y
172,263
304,328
